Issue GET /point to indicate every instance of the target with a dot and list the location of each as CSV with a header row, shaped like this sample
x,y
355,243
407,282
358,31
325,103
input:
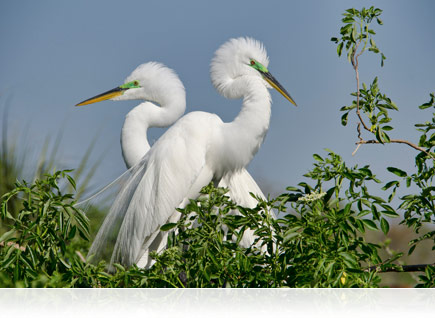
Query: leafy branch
x,y
372,108
356,38
400,268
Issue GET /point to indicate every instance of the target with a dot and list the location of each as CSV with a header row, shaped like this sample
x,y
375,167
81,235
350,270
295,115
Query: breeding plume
x,y
197,149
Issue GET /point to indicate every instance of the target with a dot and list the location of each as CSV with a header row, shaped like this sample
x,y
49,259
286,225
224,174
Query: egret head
x,y
151,81
240,57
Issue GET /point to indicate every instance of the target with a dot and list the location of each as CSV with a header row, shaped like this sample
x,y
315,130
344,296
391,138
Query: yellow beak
x,y
276,85
104,96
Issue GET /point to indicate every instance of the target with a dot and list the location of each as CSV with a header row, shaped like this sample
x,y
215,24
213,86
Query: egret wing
x,y
173,171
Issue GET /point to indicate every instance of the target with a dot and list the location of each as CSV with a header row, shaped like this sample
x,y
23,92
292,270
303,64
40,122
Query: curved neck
x,y
134,140
244,136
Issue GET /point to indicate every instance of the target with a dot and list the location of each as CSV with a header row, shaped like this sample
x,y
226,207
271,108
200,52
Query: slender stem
x,y
365,42
354,59
400,268
396,141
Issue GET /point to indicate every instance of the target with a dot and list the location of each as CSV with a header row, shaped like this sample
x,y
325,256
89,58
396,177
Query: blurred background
x,y
55,54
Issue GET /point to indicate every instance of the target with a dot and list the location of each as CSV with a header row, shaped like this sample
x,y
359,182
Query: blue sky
x,y
57,53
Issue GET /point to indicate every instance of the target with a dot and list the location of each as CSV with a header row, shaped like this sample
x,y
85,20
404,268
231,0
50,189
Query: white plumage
x,y
197,149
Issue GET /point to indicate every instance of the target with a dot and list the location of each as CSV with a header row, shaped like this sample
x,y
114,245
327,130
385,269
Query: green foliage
x,y
356,32
375,106
318,244
428,279
334,217
355,38
418,208
35,246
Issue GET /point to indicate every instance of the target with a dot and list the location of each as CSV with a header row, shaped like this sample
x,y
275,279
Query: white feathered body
x,y
197,149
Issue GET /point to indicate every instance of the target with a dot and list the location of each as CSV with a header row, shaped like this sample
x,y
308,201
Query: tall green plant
x,y
371,107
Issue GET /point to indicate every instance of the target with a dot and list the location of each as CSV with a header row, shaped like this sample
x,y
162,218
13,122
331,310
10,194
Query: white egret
x,y
199,148
163,86
154,83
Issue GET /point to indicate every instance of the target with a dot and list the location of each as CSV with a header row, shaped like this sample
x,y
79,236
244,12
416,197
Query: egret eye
x,y
136,83
252,62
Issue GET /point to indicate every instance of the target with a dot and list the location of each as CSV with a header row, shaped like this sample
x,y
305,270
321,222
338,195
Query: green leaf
x,y
317,157
390,184
354,33
374,49
340,48
408,182
65,263
348,257
71,181
379,135
370,224
9,258
347,208
167,227
385,137
7,235
422,140
385,226
344,119
391,214
290,236
348,19
360,225
411,249
397,172
377,199
293,189
430,103
119,267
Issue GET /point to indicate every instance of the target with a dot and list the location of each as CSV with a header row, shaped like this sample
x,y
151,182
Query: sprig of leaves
x,y
375,106
356,35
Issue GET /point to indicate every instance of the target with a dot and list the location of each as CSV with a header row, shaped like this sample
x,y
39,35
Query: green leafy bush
x,y
35,248
317,244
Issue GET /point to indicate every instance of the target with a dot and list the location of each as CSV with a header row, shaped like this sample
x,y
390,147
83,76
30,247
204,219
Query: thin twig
x,y
396,141
354,60
358,128
400,268
356,149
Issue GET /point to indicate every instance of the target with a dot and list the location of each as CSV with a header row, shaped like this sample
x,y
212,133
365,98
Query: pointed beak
x,y
117,91
276,85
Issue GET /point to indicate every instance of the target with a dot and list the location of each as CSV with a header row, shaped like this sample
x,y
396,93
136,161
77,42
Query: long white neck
x,y
134,141
244,136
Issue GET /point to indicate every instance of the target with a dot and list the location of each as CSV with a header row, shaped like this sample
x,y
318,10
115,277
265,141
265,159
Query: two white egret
x,y
197,149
